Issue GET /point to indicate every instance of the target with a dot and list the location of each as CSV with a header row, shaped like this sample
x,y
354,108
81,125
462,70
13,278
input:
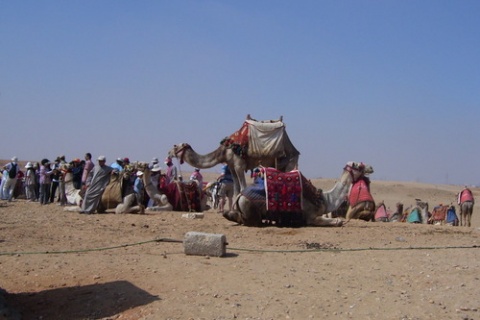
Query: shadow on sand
x,y
85,302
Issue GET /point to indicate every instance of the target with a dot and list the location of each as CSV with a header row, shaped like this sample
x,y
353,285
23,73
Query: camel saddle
x,y
259,139
439,214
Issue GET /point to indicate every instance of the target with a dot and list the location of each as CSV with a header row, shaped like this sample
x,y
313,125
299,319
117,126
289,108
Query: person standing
x,y
117,165
197,176
153,163
171,174
45,181
87,171
77,170
55,179
30,183
11,169
226,189
138,188
100,180
62,170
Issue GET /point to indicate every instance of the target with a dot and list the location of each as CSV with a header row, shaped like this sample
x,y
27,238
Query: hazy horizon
x,y
395,84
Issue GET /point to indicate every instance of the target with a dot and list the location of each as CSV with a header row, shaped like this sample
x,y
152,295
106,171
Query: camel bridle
x,y
179,153
355,172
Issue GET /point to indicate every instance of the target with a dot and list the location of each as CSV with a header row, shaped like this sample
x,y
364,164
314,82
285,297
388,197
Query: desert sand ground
x,y
57,264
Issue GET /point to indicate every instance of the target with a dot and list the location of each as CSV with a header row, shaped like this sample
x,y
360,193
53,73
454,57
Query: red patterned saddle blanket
x,y
283,190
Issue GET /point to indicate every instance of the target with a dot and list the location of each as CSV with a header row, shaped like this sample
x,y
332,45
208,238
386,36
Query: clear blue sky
x,y
395,84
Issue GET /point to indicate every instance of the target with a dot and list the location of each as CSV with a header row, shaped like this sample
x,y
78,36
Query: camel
x,y
112,197
381,213
419,213
257,143
74,196
466,210
397,216
160,200
466,203
211,192
253,212
362,205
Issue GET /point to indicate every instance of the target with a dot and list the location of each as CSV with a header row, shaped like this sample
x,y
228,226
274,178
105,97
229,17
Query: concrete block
x,y
205,244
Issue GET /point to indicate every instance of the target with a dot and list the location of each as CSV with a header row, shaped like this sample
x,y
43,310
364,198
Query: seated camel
x,y
160,200
361,201
130,205
117,195
397,216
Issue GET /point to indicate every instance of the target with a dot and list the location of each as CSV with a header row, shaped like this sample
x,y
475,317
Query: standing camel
x,y
257,143
466,203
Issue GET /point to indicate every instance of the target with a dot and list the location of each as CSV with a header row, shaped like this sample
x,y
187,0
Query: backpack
x,y
12,173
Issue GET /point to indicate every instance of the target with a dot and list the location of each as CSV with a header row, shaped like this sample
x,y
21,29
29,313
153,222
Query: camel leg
x,y
352,212
363,210
250,215
460,216
321,221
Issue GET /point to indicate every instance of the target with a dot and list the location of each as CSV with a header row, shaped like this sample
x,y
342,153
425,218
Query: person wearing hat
x,y
153,162
30,183
117,165
10,177
197,176
171,173
138,188
155,179
100,180
45,181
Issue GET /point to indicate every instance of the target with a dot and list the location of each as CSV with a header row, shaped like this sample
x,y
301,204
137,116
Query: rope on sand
x,y
246,249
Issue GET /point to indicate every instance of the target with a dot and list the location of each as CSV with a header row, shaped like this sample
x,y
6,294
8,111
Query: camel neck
x,y
338,193
203,161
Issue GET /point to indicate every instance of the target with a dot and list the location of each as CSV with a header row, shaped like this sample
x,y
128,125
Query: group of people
x,y
44,181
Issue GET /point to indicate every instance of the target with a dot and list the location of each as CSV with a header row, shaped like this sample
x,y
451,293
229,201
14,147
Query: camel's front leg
x,y
321,221
363,210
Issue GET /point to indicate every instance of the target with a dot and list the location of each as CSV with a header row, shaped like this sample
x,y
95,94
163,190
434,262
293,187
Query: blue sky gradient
x,y
395,84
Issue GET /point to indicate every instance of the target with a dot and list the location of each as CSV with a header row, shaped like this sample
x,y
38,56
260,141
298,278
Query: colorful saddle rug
x,y
439,214
283,190
238,141
183,196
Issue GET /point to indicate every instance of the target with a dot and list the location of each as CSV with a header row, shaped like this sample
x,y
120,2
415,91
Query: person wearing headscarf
x,y
100,180
30,182
10,182
171,174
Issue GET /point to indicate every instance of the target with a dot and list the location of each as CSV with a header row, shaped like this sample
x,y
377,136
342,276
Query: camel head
x,y
177,151
358,169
